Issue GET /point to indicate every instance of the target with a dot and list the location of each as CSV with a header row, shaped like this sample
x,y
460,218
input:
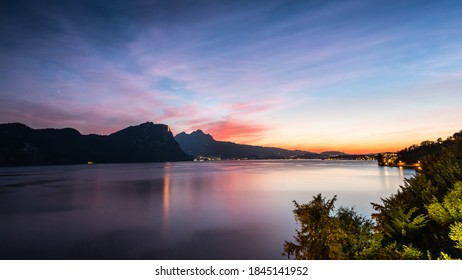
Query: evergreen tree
x,y
422,220
424,213
324,235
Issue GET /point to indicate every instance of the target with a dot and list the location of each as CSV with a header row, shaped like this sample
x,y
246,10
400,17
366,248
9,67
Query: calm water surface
x,y
187,210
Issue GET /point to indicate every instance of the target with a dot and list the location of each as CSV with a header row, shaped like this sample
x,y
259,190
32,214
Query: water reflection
x,y
206,210
166,200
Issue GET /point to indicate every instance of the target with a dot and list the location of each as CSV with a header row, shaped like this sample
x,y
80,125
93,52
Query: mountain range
x,y
148,142
198,143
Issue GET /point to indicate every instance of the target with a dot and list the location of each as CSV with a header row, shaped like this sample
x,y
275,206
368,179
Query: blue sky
x,y
356,76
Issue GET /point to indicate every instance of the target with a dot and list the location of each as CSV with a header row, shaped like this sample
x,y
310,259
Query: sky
x,y
355,76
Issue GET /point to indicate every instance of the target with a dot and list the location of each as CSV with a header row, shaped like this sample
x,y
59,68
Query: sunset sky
x,y
356,76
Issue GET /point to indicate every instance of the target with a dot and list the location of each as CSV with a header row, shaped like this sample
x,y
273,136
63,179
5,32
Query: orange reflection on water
x,y
166,199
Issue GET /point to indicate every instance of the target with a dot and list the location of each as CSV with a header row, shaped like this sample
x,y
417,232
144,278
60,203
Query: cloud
x,y
289,71
235,130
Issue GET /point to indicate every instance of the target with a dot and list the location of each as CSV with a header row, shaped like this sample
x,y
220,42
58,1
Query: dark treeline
x,y
415,153
423,220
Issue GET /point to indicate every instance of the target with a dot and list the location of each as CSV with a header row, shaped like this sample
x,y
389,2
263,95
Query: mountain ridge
x,y
198,143
147,142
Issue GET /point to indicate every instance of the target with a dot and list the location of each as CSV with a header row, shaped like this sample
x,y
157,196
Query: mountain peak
x,y
197,135
198,143
199,132
146,128
147,142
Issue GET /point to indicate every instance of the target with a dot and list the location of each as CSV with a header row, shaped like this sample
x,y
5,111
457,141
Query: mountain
x,y
148,142
198,143
332,154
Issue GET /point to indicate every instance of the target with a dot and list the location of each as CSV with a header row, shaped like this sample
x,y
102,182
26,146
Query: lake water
x,y
184,210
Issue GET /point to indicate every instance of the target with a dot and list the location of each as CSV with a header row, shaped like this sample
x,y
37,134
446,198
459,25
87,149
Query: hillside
x,y
148,142
198,143
413,155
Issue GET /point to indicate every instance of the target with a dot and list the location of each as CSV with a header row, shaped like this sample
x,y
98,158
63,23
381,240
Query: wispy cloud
x,y
315,72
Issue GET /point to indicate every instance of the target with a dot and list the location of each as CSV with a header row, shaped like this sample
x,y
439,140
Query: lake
x,y
181,210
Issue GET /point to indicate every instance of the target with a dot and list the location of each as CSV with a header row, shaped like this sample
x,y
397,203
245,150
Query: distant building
x,y
387,159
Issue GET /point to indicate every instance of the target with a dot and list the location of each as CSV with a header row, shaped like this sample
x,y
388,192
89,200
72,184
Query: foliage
x,y
390,251
416,153
358,231
404,224
422,220
455,234
324,235
450,209
421,212
444,256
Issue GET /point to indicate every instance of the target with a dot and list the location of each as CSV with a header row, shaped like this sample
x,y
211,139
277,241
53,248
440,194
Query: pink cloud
x,y
255,106
231,129
170,113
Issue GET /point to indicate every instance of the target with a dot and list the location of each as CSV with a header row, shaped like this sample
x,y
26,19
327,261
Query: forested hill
x,y
147,142
413,155
416,153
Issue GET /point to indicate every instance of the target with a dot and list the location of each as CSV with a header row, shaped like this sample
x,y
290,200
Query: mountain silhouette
x,y
333,153
198,143
148,142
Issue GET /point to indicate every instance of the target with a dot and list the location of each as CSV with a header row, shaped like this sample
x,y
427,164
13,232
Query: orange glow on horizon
x,y
364,148
354,149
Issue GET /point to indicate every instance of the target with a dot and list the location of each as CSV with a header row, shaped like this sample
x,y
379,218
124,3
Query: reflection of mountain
x,y
200,144
22,145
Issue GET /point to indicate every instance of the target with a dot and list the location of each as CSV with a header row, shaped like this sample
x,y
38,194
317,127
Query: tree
x,y
455,234
422,220
358,232
324,235
425,212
